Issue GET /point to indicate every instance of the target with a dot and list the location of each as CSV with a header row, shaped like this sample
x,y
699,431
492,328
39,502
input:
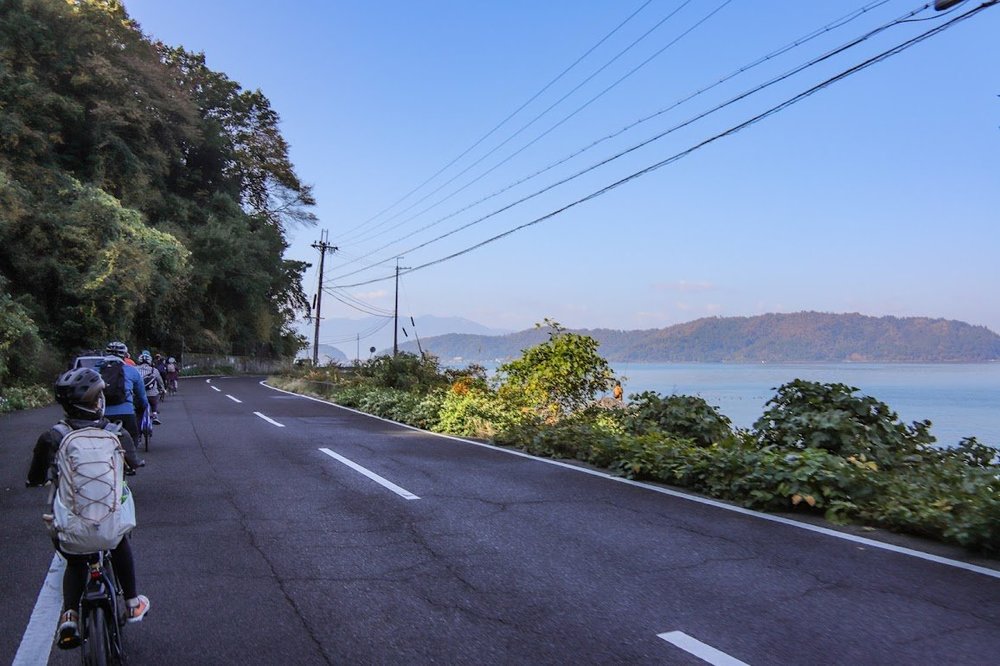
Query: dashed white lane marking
x,y
701,650
208,381
36,643
270,420
405,494
234,399
216,388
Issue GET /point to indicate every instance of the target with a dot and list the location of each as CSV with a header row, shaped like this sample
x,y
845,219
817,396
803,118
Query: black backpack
x,y
113,374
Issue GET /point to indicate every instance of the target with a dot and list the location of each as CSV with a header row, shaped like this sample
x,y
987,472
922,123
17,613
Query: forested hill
x,y
773,338
143,196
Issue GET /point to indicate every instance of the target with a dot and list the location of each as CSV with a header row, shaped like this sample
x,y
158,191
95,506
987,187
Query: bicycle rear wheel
x,y
96,640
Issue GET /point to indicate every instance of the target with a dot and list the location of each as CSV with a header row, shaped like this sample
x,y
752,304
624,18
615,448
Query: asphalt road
x,y
256,546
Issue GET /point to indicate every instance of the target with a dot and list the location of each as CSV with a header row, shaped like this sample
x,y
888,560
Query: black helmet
x,y
81,393
116,348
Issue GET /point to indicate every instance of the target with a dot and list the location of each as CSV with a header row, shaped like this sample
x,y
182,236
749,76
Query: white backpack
x,y
92,508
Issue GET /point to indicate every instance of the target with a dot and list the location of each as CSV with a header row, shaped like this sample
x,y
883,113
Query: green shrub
x,y
807,414
555,378
472,411
13,398
426,413
403,371
683,416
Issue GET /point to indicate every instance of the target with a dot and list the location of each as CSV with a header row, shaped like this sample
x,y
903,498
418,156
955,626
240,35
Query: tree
x,y
142,195
556,377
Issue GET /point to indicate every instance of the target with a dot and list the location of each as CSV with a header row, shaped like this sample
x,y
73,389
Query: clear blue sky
x,y
878,195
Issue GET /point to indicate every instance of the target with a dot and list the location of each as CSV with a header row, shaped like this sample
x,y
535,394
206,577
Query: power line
x,y
532,121
551,129
732,130
844,20
357,304
367,333
747,93
505,120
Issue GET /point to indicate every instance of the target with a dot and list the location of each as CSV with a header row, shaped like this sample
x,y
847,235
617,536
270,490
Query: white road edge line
x,y
270,420
405,494
234,399
216,388
36,643
871,543
701,650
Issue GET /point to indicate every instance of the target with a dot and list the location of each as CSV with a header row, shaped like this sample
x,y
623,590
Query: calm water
x,y
959,399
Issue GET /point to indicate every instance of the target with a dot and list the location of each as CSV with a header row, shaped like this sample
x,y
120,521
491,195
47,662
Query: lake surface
x,y
960,400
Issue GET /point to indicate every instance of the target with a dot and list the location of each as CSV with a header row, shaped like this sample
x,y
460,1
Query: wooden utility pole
x,y
395,316
322,245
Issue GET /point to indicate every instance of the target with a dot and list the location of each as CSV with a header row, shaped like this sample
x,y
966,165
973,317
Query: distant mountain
x,y
773,338
351,337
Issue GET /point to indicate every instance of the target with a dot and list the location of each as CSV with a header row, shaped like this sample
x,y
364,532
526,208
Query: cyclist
x,y
160,364
124,412
80,393
172,374
153,382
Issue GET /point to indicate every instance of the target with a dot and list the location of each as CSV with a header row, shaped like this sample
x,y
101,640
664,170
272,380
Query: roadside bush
x,y
426,413
807,414
470,410
684,416
13,398
403,371
944,494
579,439
556,378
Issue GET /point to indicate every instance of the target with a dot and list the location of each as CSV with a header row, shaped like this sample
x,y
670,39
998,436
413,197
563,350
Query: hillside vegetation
x,y
143,196
770,338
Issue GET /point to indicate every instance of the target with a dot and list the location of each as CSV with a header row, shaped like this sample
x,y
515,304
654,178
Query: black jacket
x,y
48,442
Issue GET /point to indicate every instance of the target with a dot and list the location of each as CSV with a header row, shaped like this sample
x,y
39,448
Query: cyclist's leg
x,y
154,407
125,567
73,583
136,604
129,423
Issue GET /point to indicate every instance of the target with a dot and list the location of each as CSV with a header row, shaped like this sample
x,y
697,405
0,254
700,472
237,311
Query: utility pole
x,y
395,316
322,245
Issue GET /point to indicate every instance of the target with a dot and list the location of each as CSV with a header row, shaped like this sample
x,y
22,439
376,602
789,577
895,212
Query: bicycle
x,y
102,615
146,427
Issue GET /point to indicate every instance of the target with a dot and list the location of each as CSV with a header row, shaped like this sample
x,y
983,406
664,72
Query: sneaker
x,y
157,421
68,634
137,610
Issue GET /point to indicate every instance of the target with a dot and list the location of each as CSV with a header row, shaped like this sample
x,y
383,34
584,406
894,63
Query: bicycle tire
x,y
96,641
145,439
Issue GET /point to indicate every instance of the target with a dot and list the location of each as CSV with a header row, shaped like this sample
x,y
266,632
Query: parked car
x,y
86,361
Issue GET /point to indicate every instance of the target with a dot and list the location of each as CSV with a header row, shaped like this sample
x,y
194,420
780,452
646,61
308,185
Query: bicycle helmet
x,y
80,392
171,360
116,348
145,357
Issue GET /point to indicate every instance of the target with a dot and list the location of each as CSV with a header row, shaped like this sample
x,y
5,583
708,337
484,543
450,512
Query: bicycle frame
x,y
103,596
146,427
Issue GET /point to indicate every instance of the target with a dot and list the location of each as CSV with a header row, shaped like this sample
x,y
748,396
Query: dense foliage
x,y
818,448
143,196
555,378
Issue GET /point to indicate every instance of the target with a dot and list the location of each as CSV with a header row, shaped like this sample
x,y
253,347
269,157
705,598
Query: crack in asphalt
x,y
230,496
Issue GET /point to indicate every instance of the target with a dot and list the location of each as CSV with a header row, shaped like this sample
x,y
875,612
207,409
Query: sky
x,y
429,128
